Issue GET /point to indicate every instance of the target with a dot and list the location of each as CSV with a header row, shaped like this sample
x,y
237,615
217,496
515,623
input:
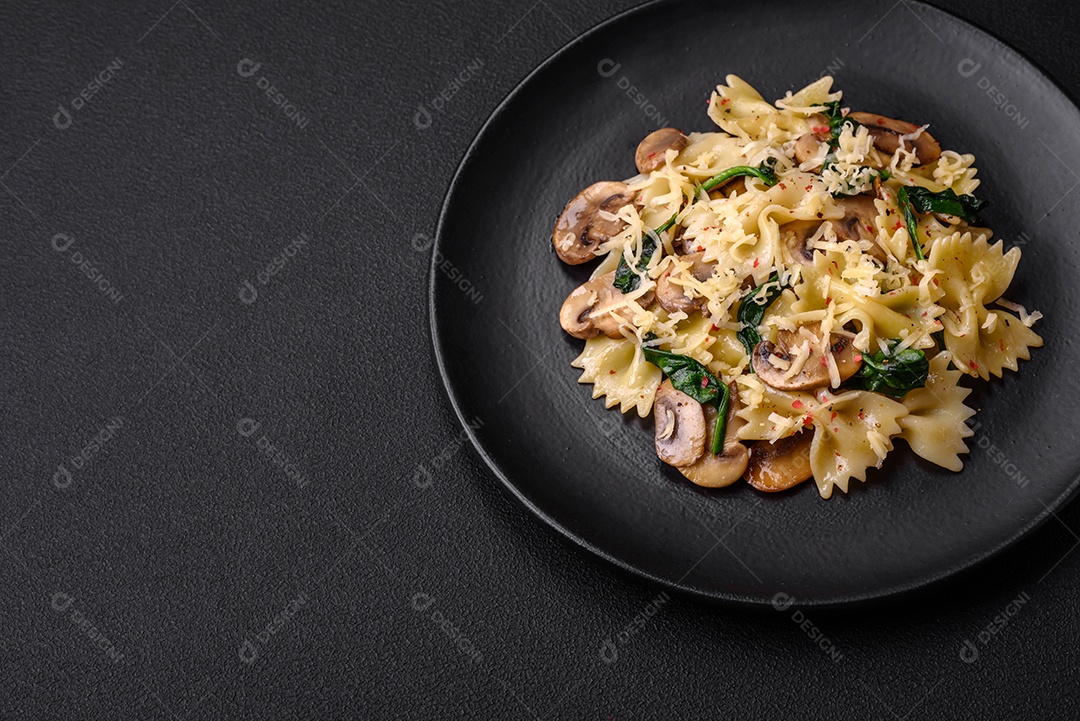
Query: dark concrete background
x,y
222,509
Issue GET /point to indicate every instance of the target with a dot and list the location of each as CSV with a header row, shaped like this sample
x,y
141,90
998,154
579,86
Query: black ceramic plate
x,y
593,475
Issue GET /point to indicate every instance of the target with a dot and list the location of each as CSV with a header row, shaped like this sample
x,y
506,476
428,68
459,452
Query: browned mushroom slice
x,y
795,235
809,143
577,316
860,213
806,147
724,468
581,229
680,426
651,151
857,224
672,297
814,372
886,133
681,244
781,465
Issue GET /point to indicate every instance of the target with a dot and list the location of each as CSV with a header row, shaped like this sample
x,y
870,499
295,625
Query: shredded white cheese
x,y
1026,318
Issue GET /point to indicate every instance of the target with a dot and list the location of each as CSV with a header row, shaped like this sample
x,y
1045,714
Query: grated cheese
x,y
834,372
847,287
781,363
879,443
798,360
1026,318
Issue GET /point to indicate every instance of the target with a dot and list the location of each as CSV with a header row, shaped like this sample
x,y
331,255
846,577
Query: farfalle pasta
x,y
790,295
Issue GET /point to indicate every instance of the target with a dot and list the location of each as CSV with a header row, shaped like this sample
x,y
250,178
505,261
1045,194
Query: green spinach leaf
x,y
752,310
695,380
626,280
765,172
892,372
910,221
947,202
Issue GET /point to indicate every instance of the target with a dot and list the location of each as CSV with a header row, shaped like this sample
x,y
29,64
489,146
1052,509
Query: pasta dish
x,y
789,295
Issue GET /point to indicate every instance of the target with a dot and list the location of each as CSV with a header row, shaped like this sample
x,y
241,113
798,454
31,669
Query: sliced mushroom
x,y
652,150
728,466
577,315
795,236
680,426
809,143
806,147
781,465
815,370
581,229
857,224
681,243
859,216
886,133
672,297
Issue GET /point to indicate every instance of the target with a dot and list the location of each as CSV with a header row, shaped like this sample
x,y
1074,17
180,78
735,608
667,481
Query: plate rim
x,y
891,592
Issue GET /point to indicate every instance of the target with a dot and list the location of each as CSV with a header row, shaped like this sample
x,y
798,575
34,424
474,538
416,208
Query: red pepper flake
x,y
700,248
783,187
858,357
756,261
861,416
974,365
832,417
924,314
1001,345
796,405
881,121
809,187
837,453
935,282
725,101
611,372
704,382
807,419
714,327
898,225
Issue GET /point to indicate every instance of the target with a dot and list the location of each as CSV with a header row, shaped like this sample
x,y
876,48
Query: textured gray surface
x,y
186,571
